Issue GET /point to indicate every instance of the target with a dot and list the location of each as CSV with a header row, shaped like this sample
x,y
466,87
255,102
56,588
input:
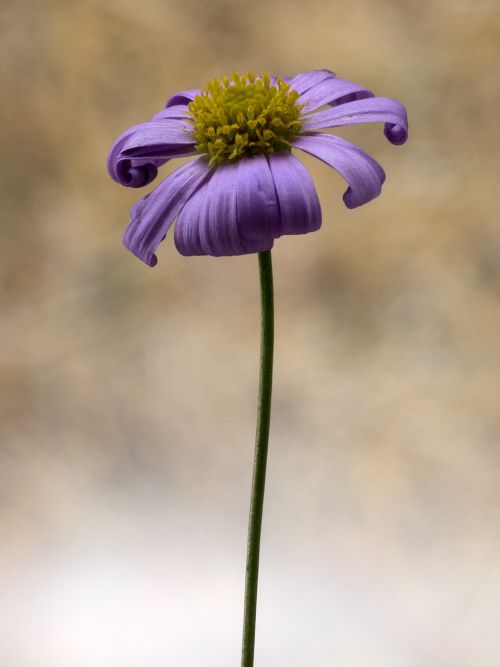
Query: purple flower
x,y
246,187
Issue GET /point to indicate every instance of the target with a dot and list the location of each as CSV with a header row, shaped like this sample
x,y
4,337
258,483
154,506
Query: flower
x,y
246,187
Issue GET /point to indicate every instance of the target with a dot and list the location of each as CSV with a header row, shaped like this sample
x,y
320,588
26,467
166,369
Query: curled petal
x,y
300,209
135,156
209,225
397,134
136,173
258,207
160,139
133,173
306,80
155,213
334,91
371,110
363,174
185,97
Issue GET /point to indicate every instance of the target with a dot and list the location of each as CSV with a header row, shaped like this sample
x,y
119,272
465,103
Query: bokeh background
x,y
129,394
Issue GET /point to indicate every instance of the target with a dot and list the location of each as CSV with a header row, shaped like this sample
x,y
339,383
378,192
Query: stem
x,y
260,457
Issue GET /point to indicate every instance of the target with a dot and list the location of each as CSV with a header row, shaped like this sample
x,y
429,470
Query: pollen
x,y
244,116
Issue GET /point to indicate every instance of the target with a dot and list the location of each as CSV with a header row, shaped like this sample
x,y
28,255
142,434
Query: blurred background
x,y
129,394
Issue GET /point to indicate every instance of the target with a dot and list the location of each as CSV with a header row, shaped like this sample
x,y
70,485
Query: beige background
x,y
128,394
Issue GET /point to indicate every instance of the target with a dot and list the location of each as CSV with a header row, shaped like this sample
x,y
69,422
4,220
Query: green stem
x,y
260,457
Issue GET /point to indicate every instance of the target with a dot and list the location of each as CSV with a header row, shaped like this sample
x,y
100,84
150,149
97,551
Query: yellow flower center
x,y
244,116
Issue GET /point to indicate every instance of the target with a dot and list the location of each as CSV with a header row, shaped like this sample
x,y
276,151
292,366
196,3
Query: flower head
x,y
243,117
246,187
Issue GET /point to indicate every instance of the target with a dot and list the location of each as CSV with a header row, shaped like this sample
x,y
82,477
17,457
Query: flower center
x,y
243,116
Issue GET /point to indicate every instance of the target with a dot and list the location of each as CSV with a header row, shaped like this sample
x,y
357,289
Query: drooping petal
x,y
371,110
160,139
153,216
187,227
363,174
209,225
333,91
258,206
184,97
300,209
306,80
133,173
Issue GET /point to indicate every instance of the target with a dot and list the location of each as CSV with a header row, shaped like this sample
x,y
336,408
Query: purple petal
x,y
363,174
397,134
299,204
208,224
334,91
161,139
153,216
184,97
136,173
258,207
133,173
306,80
179,112
187,228
371,110
135,156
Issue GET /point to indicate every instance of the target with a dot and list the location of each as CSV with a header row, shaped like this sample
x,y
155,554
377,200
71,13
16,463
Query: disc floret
x,y
244,116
